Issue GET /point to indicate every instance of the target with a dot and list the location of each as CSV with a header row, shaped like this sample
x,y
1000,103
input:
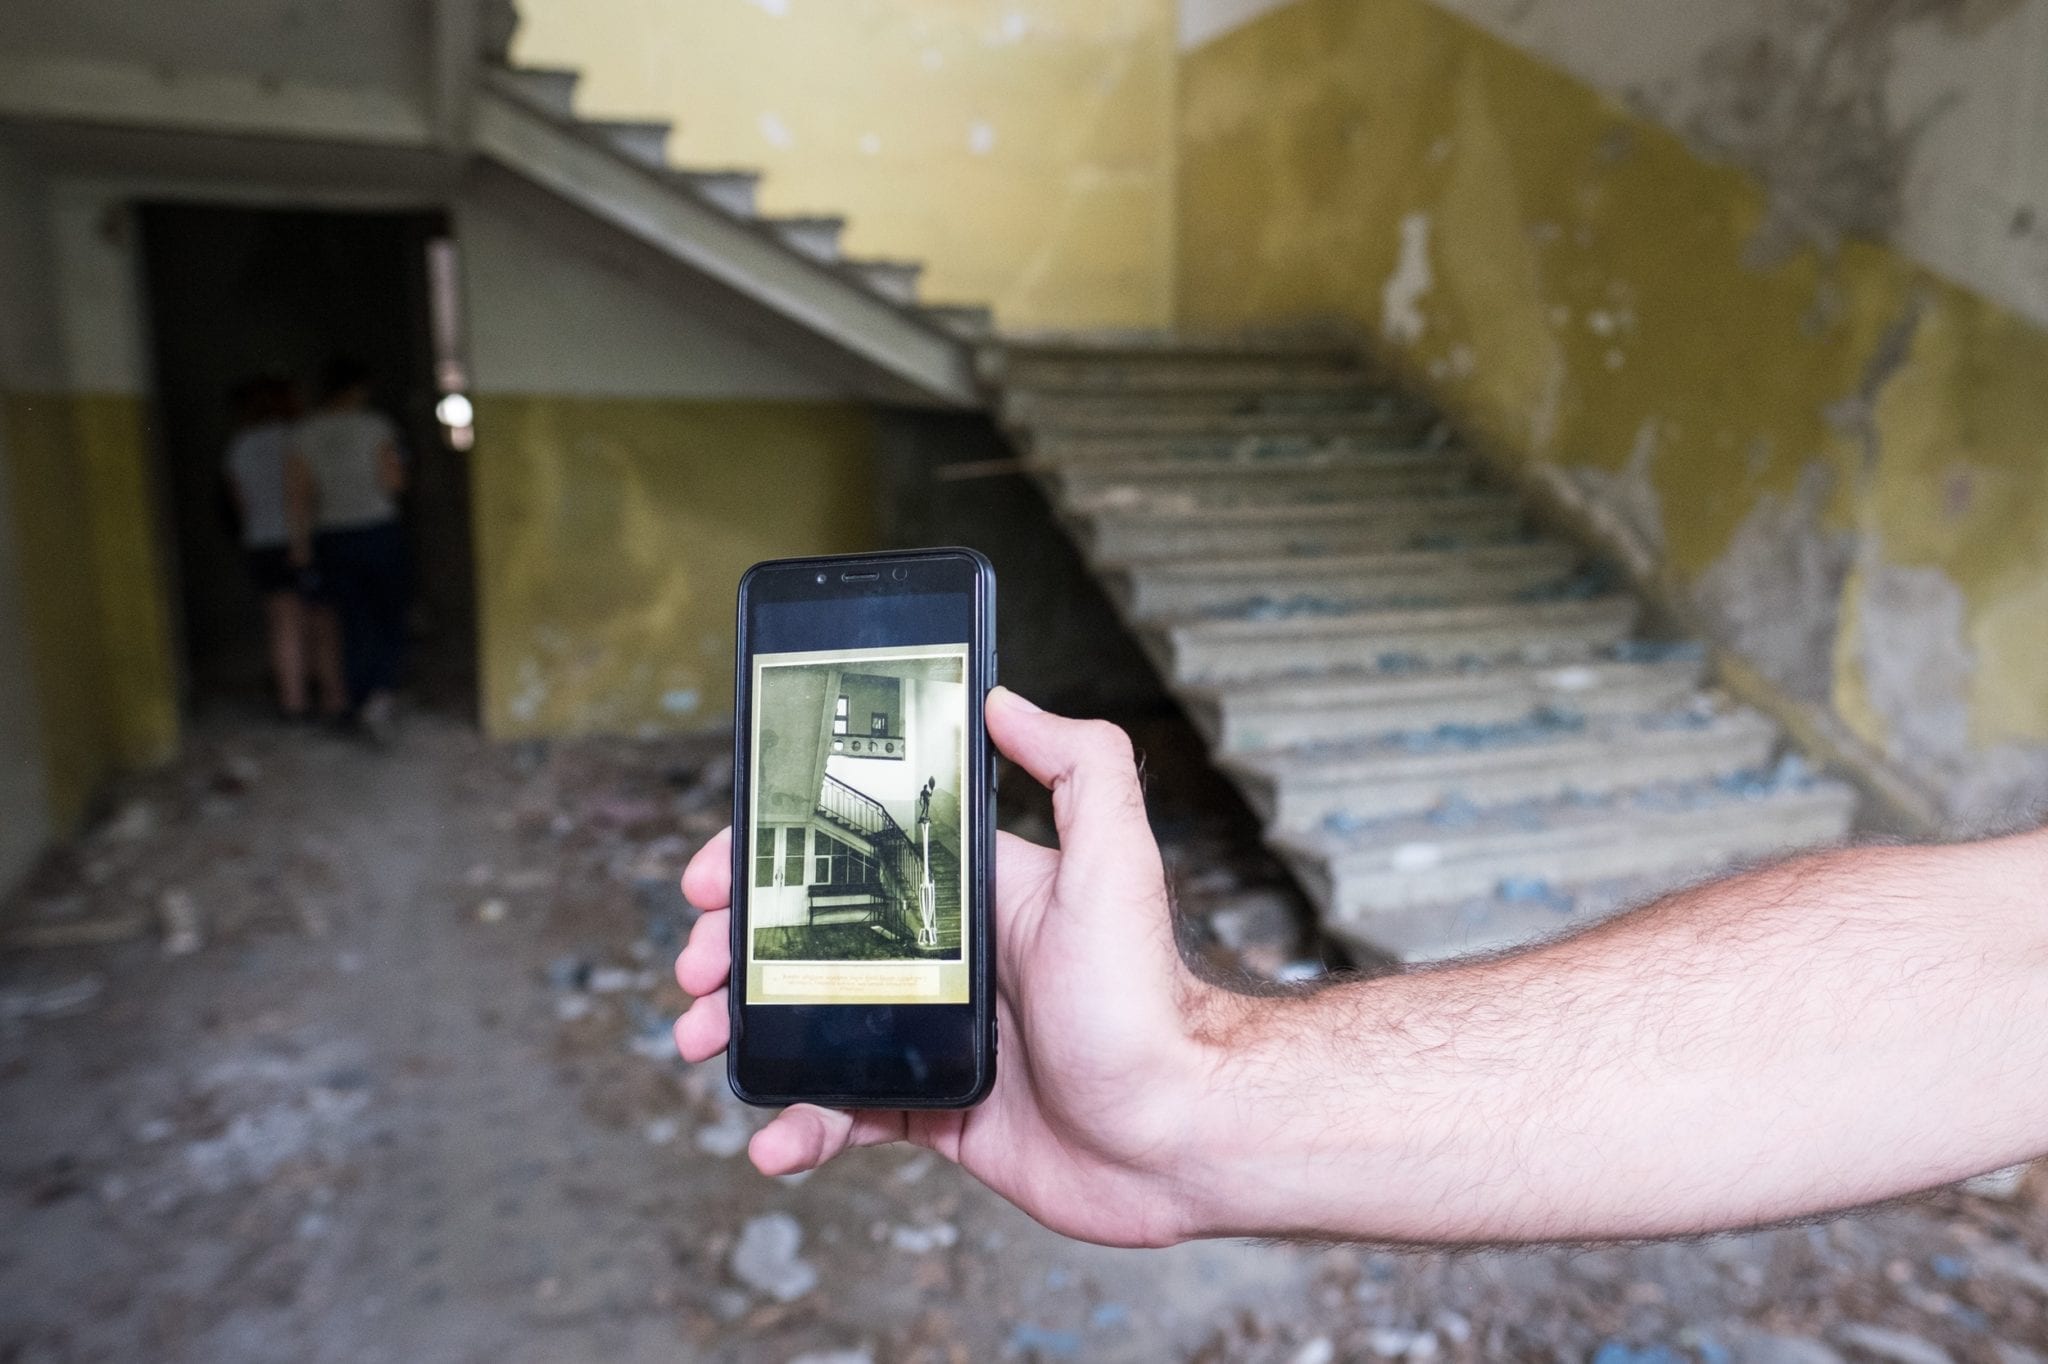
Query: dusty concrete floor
x,y
410,1097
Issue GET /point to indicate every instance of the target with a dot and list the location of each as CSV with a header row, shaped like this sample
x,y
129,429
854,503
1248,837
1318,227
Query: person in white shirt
x,y
345,472
303,635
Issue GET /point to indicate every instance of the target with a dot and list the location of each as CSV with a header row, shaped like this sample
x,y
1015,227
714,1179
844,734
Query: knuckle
x,y
1109,740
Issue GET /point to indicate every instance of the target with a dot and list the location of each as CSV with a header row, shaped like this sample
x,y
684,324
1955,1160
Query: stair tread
x,y
1122,420
1371,618
1501,746
1031,345
1562,680
1334,511
1230,464
1265,567
1415,843
1495,923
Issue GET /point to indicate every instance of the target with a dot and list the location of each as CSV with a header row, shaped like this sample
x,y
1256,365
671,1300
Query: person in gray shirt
x,y
345,472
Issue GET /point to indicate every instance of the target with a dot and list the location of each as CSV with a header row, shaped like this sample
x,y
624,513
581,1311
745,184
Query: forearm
x,y
1838,1030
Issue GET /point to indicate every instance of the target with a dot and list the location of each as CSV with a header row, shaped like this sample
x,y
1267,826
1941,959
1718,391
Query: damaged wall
x,y
1828,455
88,572
1022,151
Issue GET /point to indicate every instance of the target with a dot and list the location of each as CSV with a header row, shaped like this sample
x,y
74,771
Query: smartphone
x,y
863,832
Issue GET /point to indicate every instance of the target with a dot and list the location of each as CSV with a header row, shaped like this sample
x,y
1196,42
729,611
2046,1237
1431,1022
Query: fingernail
x,y
1009,698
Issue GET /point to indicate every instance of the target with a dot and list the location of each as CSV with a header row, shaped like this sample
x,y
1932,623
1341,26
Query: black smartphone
x,y
863,832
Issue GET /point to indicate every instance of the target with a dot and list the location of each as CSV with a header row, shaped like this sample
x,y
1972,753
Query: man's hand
x,y
1107,1037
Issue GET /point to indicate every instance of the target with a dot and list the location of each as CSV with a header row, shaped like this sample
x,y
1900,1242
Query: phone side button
x,y
995,770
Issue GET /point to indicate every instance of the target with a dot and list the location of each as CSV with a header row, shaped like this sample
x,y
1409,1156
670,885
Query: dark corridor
x,y
238,292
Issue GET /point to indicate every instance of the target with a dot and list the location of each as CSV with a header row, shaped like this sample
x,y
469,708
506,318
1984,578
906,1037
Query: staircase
x,y
1448,723
867,311
887,906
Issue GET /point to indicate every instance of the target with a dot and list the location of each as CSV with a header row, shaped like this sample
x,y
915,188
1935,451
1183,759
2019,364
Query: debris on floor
x,y
420,1131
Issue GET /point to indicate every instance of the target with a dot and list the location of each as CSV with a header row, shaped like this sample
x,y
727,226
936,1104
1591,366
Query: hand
x,y
1107,1039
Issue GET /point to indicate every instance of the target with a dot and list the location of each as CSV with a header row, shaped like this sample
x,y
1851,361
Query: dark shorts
x,y
270,568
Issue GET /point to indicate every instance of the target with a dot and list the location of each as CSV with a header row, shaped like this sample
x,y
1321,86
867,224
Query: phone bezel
x,y
972,1025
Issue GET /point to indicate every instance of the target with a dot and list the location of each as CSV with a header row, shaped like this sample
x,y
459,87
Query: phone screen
x,y
859,769
860,831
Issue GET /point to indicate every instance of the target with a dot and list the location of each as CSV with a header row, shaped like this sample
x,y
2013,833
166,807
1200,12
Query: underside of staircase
x,y
1448,722
709,220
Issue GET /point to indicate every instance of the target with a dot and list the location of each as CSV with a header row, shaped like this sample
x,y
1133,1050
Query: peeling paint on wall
x,y
1763,441
1774,593
1401,320
1919,123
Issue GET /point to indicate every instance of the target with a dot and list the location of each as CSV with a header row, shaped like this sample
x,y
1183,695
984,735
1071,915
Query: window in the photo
x,y
840,864
839,717
878,724
764,857
793,859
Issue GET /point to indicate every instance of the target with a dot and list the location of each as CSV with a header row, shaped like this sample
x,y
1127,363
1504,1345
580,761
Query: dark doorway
x,y
239,292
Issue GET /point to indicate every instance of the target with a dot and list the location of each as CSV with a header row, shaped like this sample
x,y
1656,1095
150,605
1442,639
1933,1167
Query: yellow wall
x,y
92,589
1023,151
612,532
1840,465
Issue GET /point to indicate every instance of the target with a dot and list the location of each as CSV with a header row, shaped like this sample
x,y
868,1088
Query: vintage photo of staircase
x,y
858,772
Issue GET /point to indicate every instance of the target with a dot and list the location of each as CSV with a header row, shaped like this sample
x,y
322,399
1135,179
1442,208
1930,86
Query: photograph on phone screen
x,y
857,858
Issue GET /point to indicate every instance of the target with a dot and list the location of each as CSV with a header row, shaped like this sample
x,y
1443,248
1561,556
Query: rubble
x,y
1892,1347
181,924
521,1150
765,1258
50,1001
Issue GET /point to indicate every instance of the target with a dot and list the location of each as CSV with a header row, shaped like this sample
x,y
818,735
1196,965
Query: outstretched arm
x,y
1840,1029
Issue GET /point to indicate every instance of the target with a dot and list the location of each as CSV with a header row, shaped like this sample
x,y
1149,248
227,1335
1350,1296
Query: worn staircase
x,y
1448,722
709,220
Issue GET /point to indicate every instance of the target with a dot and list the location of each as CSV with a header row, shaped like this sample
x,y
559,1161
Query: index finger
x,y
707,881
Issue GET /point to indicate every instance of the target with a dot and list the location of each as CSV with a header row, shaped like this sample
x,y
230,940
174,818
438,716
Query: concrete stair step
x,y
1647,833
1210,652
1197,495
1352,526
970,321
1184,587
736,191
1257,717
1065,406
1225,467
551,89
895,280
813,235
641,140
1460,768
1494,923
1176,350
1381,416
1148,378
1052,450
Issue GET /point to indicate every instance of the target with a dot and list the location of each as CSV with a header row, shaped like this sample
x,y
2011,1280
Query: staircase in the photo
x,y
1448,723
887,905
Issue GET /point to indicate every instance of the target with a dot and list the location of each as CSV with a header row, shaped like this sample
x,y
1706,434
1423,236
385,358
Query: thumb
x,y
1097,804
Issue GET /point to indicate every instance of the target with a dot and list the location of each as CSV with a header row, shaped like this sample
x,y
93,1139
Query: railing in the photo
x,y
895,854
